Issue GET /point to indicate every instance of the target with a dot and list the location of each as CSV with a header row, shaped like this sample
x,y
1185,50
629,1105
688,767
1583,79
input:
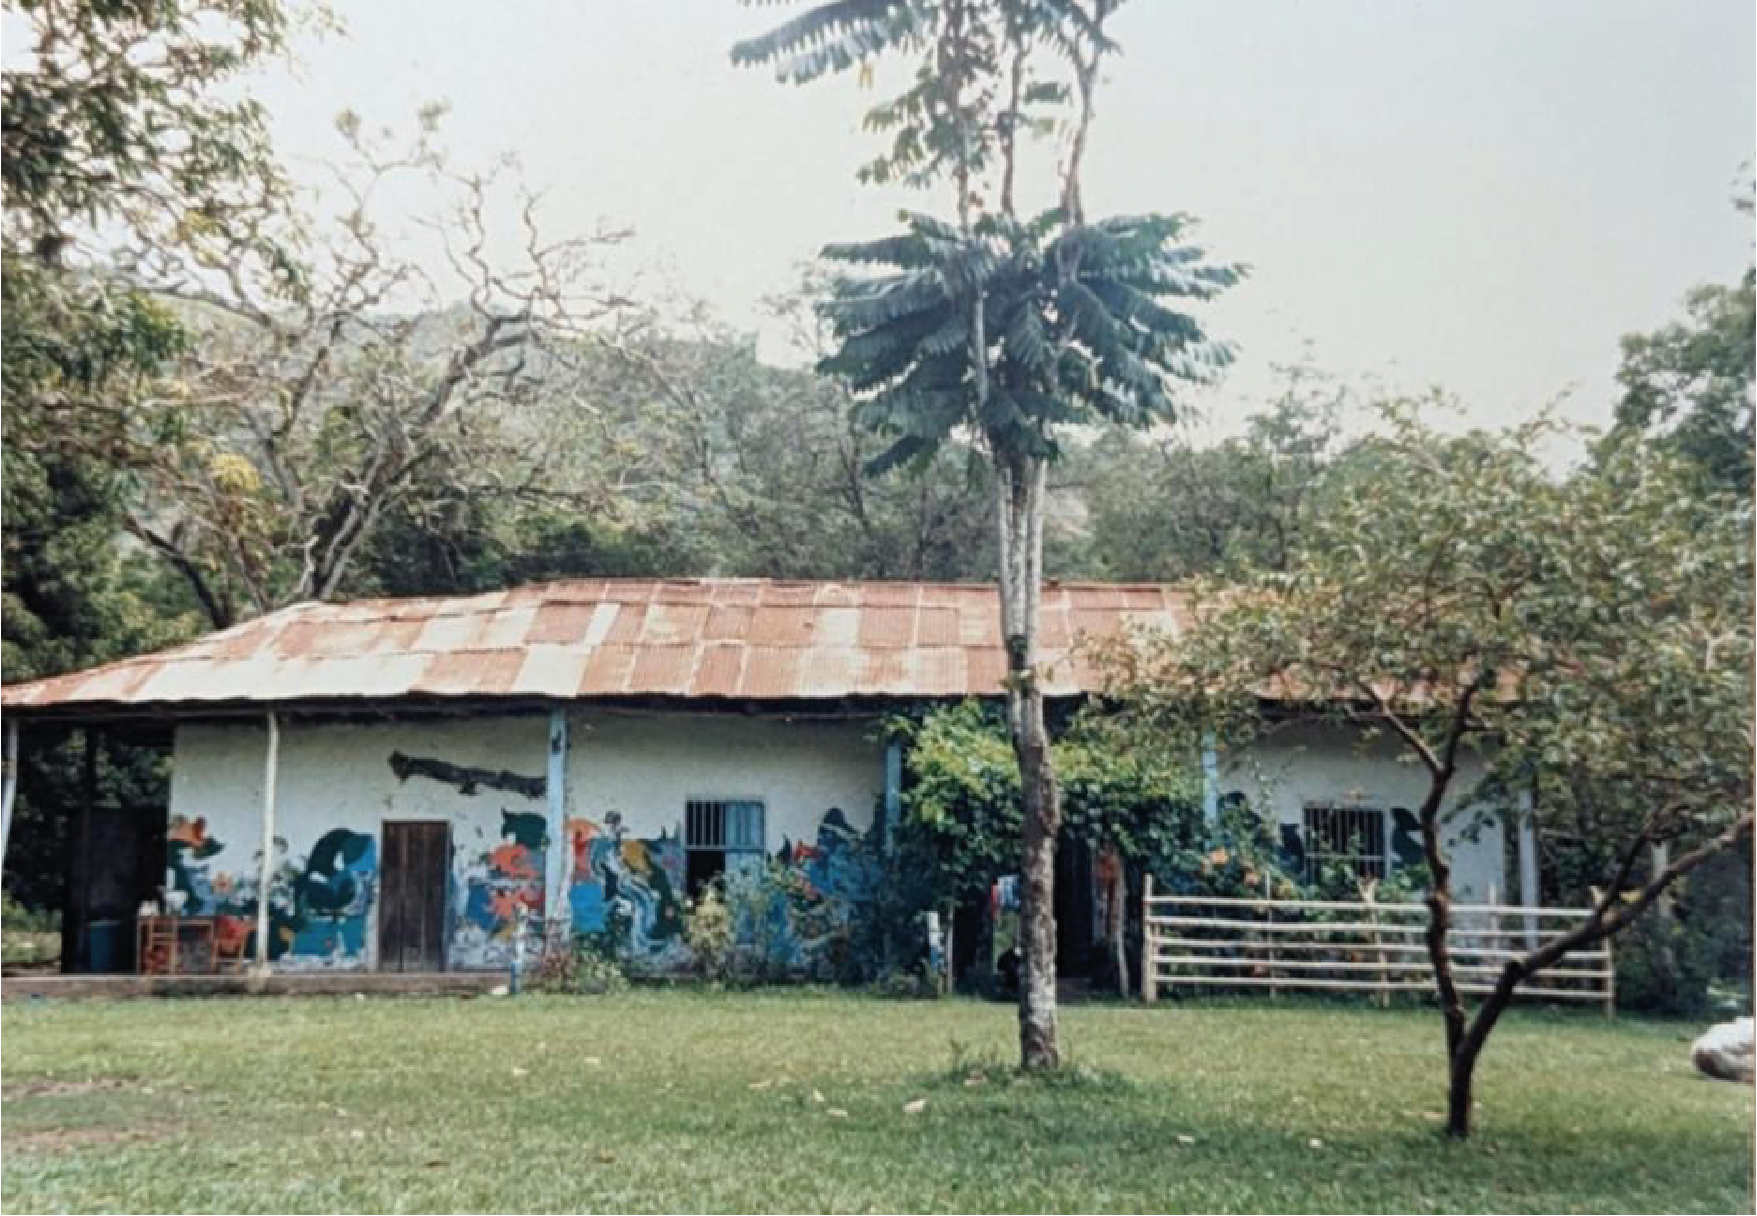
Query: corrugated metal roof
x,y
586,638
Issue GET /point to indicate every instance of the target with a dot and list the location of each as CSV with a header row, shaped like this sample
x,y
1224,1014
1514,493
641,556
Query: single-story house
x,y
451,772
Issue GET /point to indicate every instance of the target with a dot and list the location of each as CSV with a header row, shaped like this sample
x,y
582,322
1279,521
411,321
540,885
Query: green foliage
x,y
1160,508
121,115
710,934
1687,386
1587,636
962,803
16,916
576,964
834,37
1079,329
1663,968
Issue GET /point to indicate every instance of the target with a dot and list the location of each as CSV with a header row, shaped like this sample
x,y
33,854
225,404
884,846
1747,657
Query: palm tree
x,y
1006,330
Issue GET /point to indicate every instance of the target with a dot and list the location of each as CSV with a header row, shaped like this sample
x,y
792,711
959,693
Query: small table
x,y
176,945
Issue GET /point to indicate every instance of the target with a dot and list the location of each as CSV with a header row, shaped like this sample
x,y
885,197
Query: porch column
x,y
560,850
893,793
1210,779
8,783
265,883
1528,888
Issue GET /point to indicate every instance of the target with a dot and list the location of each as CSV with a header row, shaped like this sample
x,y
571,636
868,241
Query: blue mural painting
x,y
318,909
501,891
628,891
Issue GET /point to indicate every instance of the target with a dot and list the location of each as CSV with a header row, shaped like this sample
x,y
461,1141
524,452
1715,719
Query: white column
x,y
1528,886
893,793
265,888
8,784
559,850
1210,779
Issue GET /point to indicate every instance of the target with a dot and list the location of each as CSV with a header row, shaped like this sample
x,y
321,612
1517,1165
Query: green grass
x,y
686,1101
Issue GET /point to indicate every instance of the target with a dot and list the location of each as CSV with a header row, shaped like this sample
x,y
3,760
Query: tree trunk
x,y
1038,1048
1462,1066
1020,484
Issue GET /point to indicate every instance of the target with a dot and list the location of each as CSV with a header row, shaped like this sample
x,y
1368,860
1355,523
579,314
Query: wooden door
x,y
411,901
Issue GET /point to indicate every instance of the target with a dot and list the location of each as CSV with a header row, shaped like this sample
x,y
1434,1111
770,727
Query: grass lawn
x,y
687,1101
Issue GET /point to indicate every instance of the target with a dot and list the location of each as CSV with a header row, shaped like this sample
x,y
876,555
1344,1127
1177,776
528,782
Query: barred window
x,y
1353,836
720,836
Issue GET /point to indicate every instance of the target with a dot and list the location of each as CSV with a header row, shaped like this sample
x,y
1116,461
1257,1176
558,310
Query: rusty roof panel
x,y
718,671
889,628
470,672
444,632
607,671
674,624
938,671
728,623
552,671
985,670
625,627
835,628
782,626
770,671
937,627
561,622
617,637
662,669
889,595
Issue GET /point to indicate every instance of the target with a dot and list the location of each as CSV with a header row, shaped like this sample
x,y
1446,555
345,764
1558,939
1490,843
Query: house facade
x,y
451,775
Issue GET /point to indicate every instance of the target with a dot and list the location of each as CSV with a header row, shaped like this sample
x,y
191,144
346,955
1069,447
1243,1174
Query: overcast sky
x,y
1476,194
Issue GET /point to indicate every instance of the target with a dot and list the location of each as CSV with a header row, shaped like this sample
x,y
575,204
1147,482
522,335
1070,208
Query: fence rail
x,y
1363,946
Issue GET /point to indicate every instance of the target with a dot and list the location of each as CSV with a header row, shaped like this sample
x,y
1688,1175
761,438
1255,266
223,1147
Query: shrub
x,y
576,964
708,932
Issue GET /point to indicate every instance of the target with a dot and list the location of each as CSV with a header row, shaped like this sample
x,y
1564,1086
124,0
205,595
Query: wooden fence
x,y
1360,946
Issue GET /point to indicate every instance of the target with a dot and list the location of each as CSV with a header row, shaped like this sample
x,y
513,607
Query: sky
x,y
1475,195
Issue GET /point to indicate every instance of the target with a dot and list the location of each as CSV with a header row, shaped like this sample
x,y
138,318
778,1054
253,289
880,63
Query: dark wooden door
x,y
412,884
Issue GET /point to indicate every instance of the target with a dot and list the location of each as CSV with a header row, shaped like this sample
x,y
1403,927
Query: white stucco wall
x,y
337,775
627,779
1299,765
645,767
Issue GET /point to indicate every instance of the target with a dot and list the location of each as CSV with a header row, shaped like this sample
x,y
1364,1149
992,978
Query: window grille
x,y
721,837
1353,836
731,827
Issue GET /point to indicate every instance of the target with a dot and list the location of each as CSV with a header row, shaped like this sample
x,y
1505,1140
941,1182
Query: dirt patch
x,y
52,1139
61,1089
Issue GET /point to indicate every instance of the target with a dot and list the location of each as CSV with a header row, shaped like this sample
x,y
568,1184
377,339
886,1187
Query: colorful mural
x,y
502,890
826,883
318,910
628,892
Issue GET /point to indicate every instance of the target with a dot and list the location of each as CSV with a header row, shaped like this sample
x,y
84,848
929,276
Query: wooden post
x,y
265,888
1369,895
1149,969
1610,966
1269,916
1119,923
947,981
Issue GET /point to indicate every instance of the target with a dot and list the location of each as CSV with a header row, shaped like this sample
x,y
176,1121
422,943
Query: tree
x,y
728,455
1004,328
118,138
963,808
1590,637
1163,509
1687,386
299,425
